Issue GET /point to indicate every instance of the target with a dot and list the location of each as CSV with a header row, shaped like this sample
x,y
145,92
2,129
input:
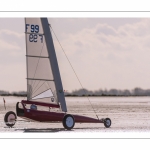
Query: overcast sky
x,y
105,52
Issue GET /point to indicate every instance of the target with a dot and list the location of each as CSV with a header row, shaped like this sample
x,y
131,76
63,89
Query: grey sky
x,y
105,52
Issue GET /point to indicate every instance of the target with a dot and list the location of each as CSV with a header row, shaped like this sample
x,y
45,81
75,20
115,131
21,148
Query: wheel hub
x,y
11,118
69,121
108,122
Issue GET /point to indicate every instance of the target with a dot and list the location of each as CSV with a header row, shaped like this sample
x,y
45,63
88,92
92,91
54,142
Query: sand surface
x,y
128,114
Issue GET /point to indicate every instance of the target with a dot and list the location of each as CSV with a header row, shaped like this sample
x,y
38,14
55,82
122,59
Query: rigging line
x,y
75,74
36,86
33,82
39,87
42,92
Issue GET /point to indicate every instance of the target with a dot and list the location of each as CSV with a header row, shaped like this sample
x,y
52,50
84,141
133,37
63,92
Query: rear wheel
x,y
10,118
107,122
68,122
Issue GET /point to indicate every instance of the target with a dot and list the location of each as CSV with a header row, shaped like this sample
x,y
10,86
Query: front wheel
x,y
68,122
10,118
107,122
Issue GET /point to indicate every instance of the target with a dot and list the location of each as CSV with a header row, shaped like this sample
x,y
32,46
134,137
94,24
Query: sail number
x,y
33,36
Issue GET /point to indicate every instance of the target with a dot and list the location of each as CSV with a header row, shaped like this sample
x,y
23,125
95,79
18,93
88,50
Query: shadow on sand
x,y
44,130
49,130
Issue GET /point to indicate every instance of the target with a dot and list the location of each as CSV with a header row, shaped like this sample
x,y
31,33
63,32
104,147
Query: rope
x,y
75,73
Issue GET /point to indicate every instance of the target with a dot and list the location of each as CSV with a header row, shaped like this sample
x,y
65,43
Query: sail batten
x,y
36,56
43,77
39,79
34,33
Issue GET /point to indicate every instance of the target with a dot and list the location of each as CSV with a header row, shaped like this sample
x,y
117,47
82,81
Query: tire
x,y
10,118
107,122
68,122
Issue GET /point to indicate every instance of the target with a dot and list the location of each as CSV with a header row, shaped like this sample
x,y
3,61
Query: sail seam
x,y
39,79
34,33
37,56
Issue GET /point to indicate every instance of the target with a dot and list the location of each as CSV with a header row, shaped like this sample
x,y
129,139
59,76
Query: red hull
x,y
46,116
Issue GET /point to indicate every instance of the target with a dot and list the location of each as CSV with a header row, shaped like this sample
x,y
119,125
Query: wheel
x,y
68,122
10,118
107,122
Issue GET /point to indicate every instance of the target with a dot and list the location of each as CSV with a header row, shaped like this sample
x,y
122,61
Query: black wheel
x,y
68,122
10,118
107,122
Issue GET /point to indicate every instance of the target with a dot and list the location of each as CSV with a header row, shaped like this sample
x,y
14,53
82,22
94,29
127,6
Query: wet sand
x,y
128,114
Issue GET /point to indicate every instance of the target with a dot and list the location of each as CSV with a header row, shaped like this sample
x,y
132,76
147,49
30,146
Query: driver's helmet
x,y
33,106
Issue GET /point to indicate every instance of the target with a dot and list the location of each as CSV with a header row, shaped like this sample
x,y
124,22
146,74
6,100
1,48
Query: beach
x,y
128,114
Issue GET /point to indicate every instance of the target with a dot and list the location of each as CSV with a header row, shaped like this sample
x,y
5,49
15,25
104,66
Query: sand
x,y
128,114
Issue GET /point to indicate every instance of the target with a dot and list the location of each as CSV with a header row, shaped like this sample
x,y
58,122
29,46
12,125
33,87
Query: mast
x,y
54,64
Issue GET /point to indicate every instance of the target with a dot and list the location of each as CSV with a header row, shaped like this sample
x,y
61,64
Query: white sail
x,y
43,77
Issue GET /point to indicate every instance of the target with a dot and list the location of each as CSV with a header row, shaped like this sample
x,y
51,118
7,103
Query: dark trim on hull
x,y
40,103
19,111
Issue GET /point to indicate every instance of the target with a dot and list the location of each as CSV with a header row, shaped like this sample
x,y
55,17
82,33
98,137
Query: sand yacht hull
x,y
68,120
48,116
